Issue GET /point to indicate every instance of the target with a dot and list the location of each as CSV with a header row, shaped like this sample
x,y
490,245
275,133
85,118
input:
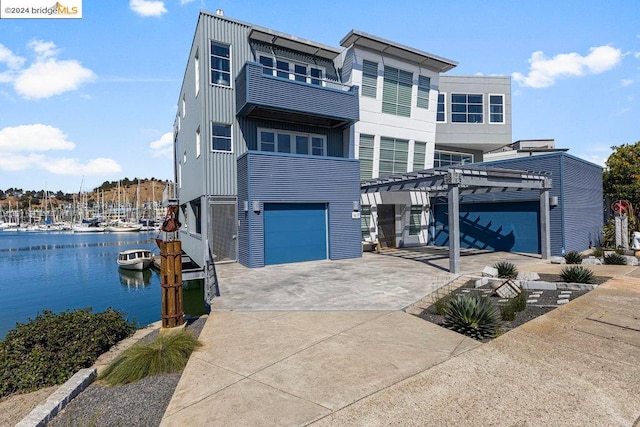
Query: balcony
x,y
326,104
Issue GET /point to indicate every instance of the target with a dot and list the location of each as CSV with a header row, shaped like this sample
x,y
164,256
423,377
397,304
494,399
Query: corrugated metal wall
x,y
276,178
244,242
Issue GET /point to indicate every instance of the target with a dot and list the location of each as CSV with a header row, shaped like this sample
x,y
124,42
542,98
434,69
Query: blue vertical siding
x,y
243,217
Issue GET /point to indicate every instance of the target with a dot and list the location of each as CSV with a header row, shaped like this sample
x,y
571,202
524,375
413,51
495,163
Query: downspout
x,y
562,228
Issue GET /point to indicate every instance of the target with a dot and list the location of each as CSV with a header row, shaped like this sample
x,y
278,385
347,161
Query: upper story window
x,y
297,71
424,86
496,108
466,108
450,158
441,115
184,106
198,142
279,141
196,71
220,64
394,154
369,78
365,154
220,137
419,155
396,92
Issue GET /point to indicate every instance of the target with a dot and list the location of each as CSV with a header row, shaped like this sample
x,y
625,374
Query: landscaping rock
x,y
490,272
631,260
558,260
592,261
528,275
539,284
478,283
576,286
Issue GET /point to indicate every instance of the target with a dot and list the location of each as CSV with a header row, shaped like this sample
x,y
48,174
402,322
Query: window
x,y
293,71
198,142
221,137
365,222
282,69
369,78
393,156
196,70
184,157
220,64
496,108
466,108
277,141
267,65
396,92
184,107
300,72
197,215
365,154
440,115
424,86
450,158
419,155
415,219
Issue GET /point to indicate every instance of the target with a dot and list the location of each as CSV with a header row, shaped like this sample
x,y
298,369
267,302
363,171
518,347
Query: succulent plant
x,y
573,257
577,274
472,316
506,270
615,259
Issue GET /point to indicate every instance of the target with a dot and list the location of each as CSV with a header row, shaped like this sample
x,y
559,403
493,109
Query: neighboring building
x,y
524,148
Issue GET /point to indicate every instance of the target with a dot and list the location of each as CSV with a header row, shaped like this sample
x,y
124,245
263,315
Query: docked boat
x,y
123,227
135,259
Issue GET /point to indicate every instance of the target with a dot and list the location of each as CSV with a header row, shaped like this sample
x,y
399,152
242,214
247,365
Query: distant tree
x,y
621,180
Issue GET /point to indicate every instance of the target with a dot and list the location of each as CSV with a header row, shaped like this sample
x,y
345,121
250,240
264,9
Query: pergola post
x,y
545,237
453,200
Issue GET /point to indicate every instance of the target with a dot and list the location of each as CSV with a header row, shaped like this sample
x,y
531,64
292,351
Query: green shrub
x,y
619,251
506,270
472,316
49,349
441,304
169,352
508,312
615,259
598,252
577,274
573,257
520,302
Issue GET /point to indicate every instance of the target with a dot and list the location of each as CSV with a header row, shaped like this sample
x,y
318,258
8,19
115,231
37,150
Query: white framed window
x,y
178,121
184,157
467,108
424,86
198,142
184,106
394,155
287,69
496,108
441,115
396,92
443,158
369,78
196,71
220,64
415,220
419,155
365,155
221,137
279,141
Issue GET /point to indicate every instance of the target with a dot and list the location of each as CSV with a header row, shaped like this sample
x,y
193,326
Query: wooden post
x,y
171,283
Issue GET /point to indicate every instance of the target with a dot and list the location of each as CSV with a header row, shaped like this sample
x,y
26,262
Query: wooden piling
x,y
171,283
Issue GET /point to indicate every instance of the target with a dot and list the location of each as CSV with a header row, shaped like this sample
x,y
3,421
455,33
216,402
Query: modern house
x,y
284,145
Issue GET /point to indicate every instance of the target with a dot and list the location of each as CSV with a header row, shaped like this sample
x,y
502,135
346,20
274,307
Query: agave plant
x,y
577,274
615,259
472,316
506,270
573,257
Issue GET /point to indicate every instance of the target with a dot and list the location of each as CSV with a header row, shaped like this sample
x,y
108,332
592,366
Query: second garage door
x,y
294,232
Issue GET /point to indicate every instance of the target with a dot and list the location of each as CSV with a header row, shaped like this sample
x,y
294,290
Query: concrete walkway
x,y
577,365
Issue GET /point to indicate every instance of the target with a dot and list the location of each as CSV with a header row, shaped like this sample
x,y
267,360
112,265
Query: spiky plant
x,y
598,252
169,352
577,274
615,259
573,257
441,304
472,316
506,270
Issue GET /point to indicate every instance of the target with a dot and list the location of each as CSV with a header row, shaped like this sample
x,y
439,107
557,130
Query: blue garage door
x,y
509,227
294,232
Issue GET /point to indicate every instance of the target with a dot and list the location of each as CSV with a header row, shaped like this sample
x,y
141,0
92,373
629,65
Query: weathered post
x,y
171,283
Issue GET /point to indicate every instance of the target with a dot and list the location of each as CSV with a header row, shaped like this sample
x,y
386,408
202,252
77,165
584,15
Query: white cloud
x,y
544,71
163,147
30,138
69,166
147,7
45,77
183,2
636,55
626,82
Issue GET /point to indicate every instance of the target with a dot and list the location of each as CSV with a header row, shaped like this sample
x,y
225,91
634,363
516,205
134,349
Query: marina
x,y
60,271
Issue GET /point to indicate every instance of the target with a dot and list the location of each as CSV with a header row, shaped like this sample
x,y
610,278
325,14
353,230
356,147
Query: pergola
x,y
454,181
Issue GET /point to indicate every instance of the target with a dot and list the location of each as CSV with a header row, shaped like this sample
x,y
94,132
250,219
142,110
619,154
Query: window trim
x,y
503,109
467,113
211,43
444,107
292,140
212,149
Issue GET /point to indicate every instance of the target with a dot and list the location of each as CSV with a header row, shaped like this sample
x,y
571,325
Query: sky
x,y
83,101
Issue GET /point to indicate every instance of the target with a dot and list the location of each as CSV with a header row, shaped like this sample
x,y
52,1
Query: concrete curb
x,y
44,412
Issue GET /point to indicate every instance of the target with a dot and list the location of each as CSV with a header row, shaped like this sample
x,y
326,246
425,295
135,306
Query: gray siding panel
x,y
347,66
275,178
243,217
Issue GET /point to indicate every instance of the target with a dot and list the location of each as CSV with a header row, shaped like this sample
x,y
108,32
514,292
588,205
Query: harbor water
x,y
61,271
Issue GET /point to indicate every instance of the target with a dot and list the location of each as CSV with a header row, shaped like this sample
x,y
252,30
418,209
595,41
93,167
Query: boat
x,y
122,227
135,259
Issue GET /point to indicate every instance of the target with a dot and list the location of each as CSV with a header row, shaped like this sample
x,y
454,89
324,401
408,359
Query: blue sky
x,y
87,100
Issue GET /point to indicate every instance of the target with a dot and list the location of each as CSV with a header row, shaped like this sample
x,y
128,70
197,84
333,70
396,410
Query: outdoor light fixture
x,y
246,206
356,206
553,201
255,206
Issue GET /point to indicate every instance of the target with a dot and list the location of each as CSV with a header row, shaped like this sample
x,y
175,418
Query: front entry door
x,y
387,226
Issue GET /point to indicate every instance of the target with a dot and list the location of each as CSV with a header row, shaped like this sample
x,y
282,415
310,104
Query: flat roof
x,y
288,41
378,44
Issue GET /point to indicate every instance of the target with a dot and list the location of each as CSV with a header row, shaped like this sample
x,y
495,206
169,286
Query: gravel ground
x,y
138,404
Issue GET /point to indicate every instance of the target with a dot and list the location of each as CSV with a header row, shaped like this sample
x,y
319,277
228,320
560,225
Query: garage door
x,y
294,232
509,227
